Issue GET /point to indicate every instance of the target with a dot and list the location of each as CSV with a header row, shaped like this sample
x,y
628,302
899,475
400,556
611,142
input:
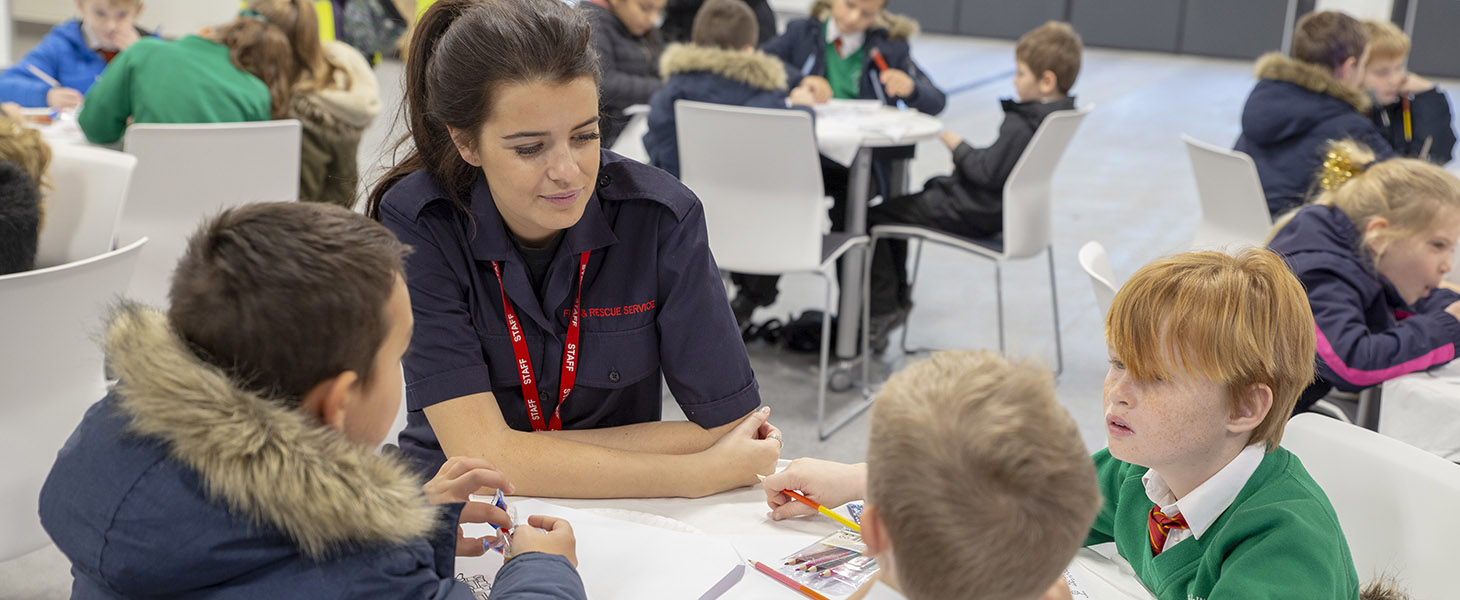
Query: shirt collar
x,y
92,41
490,241
851,42
1209,500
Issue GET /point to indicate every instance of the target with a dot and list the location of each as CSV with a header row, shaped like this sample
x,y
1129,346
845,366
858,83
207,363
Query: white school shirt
x,y
851,42
1209,500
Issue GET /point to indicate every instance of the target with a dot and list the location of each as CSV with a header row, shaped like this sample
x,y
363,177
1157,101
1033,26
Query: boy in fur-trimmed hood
x,y
235,456
1302,102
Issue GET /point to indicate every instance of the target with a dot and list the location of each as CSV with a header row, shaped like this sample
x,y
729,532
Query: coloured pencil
x,y
879,60
44,76
787,581
796,560
831,564
811,565
823,510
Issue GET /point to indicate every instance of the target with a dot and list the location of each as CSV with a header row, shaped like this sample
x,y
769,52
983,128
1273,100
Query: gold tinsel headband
x,y
1338,168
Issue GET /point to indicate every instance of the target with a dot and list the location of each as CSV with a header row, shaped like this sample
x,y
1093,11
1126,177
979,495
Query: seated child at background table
x,y
679,16
977,483
235,457
1410,111
1302,102
721,66
25,159
970,202
1371,252
626,38
243,71
1208,353
73,54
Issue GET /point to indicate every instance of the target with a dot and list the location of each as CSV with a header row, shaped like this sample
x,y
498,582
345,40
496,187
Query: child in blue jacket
x,y
235,457
1371,252
74,54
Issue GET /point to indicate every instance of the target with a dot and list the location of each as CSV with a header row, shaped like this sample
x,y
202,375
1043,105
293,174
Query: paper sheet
x,y
622,559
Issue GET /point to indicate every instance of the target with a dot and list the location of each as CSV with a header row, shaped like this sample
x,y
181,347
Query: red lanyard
x,y
524,362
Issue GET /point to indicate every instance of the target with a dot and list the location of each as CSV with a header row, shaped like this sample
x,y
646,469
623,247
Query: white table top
x,y
741,518
845,126
1423,409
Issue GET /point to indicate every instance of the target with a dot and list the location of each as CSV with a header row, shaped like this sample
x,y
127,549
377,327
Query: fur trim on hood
x,y
1274,65
756,69
898,27
268,463
348,105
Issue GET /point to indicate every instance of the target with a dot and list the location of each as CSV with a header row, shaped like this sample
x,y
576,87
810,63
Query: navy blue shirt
x,y
653,304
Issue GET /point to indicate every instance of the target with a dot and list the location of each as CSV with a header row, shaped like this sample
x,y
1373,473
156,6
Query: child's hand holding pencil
x,y
822,482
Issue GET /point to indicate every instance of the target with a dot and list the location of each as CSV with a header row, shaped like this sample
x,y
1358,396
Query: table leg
x,y
849,313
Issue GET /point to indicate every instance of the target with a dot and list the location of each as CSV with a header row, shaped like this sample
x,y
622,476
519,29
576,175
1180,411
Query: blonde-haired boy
x,y
73,55
1410,111
1208,353
976,481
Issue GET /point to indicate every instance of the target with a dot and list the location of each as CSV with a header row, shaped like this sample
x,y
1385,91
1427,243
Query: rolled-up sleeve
x,y
700,349
445,359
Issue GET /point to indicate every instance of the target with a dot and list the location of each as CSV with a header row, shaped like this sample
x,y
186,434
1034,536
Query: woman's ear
x,y
465,145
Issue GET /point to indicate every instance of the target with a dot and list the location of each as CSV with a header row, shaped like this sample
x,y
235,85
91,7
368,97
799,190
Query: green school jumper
x,y
191,80
844,74
1279,540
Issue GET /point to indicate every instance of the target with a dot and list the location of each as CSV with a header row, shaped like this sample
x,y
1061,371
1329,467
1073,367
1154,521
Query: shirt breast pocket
x,y
616,359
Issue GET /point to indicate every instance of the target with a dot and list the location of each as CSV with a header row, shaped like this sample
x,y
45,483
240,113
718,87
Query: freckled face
x,y
1162,424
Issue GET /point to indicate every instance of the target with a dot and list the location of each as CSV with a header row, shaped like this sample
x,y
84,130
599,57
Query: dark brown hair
x,y
727,24
460,53
261,44
1328,38
1053,47
283,295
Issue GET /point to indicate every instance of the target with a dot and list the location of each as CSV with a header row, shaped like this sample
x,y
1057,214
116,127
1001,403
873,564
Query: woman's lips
x,y
561,199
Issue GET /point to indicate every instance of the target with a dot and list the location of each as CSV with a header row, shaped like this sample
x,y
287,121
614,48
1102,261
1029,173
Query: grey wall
x,y
1006,19
934,16
1233,28
1436,45
1132,24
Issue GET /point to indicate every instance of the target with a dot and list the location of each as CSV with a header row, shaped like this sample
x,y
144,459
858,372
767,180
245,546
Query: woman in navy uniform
x,y
516,217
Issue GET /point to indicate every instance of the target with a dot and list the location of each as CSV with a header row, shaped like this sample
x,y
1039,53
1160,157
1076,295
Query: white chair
x,y
1233,207
1396,503
1096,264
758,174
1026,223
188,172
91,186
630,142
52,369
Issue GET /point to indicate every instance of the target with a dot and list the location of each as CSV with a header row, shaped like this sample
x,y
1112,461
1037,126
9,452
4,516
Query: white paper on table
x,y
838,107
1092,576
623,559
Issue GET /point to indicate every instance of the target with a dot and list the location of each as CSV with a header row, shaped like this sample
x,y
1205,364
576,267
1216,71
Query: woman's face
x,y
539,151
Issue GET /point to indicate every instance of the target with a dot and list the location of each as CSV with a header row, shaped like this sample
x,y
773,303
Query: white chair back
x,y
187,172
1096,264
756,171
1233,207
630,142
1027,192
1396,503
91,186
52,369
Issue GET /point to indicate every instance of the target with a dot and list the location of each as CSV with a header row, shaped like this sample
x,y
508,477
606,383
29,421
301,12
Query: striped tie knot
x,y
1159,526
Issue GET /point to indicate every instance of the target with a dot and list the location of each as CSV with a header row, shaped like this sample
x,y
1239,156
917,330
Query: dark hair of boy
x,y
1053,47
1328,38
282,296
19,219
727,24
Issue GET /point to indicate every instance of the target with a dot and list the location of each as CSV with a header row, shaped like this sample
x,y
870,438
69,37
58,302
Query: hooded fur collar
x,y
898,27
348,105
1313,77
757,69
266,462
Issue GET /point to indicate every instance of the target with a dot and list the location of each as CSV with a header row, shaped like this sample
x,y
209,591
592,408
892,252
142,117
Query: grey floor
x,y
1125,181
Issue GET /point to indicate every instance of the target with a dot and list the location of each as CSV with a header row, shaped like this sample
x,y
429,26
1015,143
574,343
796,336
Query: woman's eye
x,y
528,150
587,137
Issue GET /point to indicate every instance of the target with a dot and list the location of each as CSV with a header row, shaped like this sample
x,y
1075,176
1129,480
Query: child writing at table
x,y
970,201
235,457
243,71
72,55
1411,112
1371,252
977,483
626,37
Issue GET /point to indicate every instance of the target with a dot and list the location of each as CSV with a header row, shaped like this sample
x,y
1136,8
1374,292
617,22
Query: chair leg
x,y
866,316
1368,416
823,430
912,280
1054,301
999,302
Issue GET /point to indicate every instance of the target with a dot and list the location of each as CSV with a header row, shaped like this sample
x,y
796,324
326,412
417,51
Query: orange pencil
x,y
878,60
787,581
819,508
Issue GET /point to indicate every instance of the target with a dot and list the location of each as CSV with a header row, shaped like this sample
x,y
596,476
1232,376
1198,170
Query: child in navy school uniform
x,y
73,53
1371,252
970,201
236,456
1302,102
720,66
1411,112
628,44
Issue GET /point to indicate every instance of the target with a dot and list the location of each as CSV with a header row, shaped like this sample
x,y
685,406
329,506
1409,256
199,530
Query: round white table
x,y
1423,409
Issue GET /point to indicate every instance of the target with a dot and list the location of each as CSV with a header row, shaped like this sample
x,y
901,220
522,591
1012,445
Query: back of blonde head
x,y
981,478
25,147
1407,193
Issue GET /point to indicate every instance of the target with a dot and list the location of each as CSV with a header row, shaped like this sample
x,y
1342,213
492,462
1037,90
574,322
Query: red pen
x,y
878,60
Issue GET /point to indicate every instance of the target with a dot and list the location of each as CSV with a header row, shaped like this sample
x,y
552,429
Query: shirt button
x,y
613,376
604,181
542,397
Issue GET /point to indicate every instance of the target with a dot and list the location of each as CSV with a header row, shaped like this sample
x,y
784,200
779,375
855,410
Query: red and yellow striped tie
x,y
1159,525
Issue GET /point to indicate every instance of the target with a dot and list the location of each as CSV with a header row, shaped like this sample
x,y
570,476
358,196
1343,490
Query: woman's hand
x,y
752,447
